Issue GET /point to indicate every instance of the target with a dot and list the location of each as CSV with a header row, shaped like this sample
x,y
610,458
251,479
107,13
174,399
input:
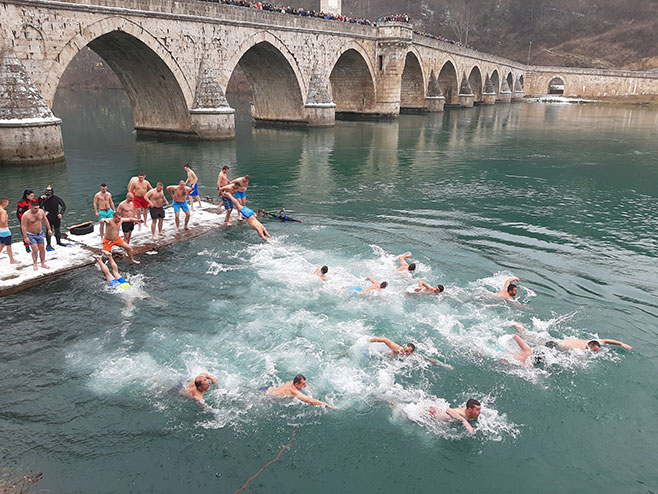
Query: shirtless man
x,y
576,344
230,188
322,271
156,199
179,195
193,181
375,286
470,412
510,290
241,194
112,237
222,180
250,216
33,233
424,287
405,350
113,278
5,233
200,385
126,209
103,205
139,186
294,388
404,267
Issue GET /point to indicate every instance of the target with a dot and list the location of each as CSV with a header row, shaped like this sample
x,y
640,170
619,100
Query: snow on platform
x,y
18,277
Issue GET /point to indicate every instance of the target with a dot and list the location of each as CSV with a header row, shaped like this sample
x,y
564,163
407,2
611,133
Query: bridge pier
x,y
29,132
466,95
394,40
319,110
489,94
211,118
435,100
505,95
517,94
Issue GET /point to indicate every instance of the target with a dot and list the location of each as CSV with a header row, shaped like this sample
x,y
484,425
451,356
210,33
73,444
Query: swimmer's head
x,y
4,202
538,359
408,349
551,344
473,409
324,269
512,289
299,381
202,383
594,345
412,266
383,284
439,289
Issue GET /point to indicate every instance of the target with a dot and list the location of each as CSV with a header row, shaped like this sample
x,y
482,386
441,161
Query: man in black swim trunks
x,y
126,209
156,199
577,344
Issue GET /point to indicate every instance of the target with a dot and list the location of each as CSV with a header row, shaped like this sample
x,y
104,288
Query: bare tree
x,y
461,18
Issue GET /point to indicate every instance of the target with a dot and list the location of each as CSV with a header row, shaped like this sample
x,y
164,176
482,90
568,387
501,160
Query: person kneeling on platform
x,y
111,236
250,216
114,279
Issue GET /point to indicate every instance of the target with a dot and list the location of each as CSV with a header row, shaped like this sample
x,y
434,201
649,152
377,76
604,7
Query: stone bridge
x,y
175,60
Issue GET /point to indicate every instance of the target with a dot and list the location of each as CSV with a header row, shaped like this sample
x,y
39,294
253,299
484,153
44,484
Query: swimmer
x,y
525,353
179,194
510,290
404,267
194,185
424,287
376,286
283,216
114,279
111,235
200,385
470,412
250,216
294,388
576,344
322,271
405,350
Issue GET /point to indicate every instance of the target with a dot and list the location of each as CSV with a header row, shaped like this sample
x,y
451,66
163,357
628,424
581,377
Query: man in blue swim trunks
x,y
193,181
222,181
250,216
33,233
179,194
242,184
114,279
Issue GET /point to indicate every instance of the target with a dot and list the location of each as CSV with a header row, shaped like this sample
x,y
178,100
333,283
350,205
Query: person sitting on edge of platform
x,y
179,194
510,290
126,209
21,207
139,186
322,271
294,388
250,216
200,385
51,204
425,287
103,206
470,412
113,278
194,184
156,199
404,267
405,350
33,232
112,237
5,232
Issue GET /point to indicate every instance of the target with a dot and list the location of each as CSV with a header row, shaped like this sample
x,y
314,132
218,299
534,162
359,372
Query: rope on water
x,y
287,446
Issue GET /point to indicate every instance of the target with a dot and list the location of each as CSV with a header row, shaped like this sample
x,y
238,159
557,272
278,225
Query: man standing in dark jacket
x,y
52,204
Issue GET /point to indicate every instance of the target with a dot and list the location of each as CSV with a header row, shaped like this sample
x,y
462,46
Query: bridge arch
x,y
351,81
495,80
158,90
449,83
412,87
522,81
510,80
475,81
276,82
556,85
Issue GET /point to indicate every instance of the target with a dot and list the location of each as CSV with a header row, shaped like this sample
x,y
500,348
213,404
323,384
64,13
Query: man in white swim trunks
x,y
294,388
471,411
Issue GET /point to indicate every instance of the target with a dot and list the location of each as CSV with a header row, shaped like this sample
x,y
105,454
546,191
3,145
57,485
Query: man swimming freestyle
x,y
577,344
250,216
322,271
510,290
200,385
404,267
405,350
471,411
375,286
294,388
424,287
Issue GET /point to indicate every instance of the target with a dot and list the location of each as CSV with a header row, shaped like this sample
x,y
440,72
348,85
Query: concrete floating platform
x,y
18,277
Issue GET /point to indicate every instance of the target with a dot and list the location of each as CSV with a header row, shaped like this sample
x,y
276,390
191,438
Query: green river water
x,y
562,196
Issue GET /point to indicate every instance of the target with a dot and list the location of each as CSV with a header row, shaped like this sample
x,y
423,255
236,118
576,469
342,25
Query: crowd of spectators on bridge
x,y
330,17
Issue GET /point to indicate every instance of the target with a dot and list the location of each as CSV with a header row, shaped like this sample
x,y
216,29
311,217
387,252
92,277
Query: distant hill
x,y
583,33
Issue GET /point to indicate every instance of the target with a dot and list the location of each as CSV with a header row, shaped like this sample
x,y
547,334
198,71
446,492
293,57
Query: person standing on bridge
x,y
138,187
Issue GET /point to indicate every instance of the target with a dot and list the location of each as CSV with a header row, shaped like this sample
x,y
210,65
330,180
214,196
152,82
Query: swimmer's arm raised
x,y
393,346
424,284
401,260
618,343
212,378
511,280
455,415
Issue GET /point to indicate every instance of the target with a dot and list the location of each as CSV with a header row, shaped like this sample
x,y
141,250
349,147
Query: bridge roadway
x,y
175,59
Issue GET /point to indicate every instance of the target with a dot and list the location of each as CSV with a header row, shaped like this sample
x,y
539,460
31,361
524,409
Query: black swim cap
x,y
383,284
441,288
412,266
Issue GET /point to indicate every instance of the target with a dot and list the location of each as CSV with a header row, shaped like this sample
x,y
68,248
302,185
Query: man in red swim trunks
x,y
139,186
